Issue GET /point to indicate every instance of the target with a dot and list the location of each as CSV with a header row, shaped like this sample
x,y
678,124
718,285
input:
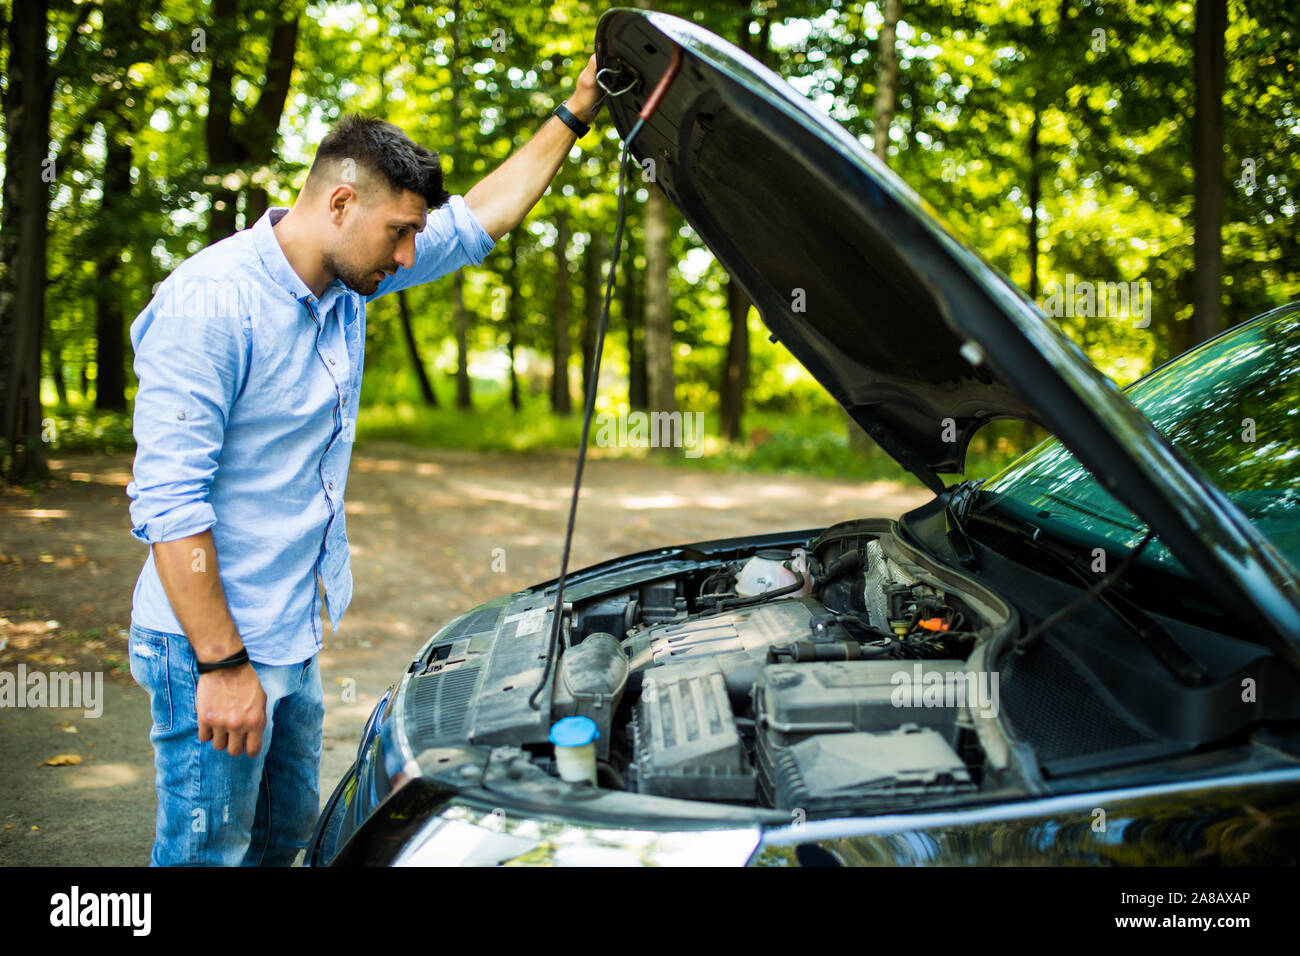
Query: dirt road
x,y
424,526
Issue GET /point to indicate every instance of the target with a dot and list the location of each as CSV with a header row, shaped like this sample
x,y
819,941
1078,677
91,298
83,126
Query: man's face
x,y
376,237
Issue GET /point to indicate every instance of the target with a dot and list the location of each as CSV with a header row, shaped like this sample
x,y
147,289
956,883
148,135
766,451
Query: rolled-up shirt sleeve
x,y
451,238
189,360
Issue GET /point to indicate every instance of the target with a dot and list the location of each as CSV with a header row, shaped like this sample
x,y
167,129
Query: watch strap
x,y
568,119
236,659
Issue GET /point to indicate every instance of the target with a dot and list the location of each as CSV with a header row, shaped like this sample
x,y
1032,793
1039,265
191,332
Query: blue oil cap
x,y
574,732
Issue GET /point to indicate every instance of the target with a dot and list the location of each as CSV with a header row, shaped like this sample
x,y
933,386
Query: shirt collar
x,y
277,266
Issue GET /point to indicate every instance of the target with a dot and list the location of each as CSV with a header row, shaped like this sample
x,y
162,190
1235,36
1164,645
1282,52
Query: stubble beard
x,y
363,283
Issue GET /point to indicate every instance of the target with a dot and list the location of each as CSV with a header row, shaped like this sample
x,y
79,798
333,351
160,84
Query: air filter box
x,y
685,737
860,771
793,701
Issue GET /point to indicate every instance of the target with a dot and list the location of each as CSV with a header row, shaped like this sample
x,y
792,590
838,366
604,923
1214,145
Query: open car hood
x,y
912,332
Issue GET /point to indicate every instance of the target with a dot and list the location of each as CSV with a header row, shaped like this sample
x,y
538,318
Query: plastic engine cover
x,y
685,738
795,700
861,770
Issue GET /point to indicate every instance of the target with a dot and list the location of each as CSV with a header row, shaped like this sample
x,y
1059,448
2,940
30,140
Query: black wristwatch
x,y
236,659
571,121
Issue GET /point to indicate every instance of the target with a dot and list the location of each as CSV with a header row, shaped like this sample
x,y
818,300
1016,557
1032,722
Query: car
x,y
1092,657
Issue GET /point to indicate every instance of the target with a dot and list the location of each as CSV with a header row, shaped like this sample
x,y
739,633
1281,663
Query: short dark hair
x,y
382,148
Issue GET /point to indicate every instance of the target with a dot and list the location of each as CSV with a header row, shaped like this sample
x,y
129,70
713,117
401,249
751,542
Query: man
x,y
249,359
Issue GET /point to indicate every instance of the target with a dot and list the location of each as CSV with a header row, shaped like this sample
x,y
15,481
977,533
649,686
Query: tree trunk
x,y
261,133
735,378
57,370
1035,197
657,307
1207,158
561,398
27,100
512,315
637,396
460,317
661,383
734,382
241,149
886,97
886,78
427,393
460,321
218,128
110,345
593,299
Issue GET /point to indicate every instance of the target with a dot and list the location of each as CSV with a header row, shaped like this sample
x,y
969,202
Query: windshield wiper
x,y
1154,635
956,502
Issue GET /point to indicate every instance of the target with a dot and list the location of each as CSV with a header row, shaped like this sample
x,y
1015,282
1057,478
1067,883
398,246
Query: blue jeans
x,y
219,810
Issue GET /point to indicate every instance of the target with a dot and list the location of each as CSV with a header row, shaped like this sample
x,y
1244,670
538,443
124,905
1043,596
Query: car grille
x,y
439,703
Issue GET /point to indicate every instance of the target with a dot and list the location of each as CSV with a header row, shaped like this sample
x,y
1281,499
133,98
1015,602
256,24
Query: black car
x,y
1092,657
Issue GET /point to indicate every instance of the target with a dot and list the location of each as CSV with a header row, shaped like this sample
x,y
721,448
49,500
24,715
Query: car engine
x,y
819,678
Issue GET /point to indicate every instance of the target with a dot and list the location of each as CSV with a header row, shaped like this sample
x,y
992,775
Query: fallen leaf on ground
x,y
60,760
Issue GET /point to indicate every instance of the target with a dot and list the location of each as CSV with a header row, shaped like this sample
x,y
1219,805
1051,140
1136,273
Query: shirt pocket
x,y
148,654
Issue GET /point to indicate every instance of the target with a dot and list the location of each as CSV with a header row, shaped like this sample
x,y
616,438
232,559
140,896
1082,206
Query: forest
x,y
1133,147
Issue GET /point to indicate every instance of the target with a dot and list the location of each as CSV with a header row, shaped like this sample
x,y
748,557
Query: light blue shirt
x,y
244,423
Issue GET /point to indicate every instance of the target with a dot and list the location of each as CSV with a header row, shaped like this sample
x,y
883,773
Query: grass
x,y
83,428
776,442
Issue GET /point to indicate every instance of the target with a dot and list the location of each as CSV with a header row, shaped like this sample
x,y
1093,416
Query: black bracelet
x,y
234,660
571,121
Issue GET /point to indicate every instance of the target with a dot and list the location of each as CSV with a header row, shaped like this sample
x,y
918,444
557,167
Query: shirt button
x,y
331,486
331,361
180,415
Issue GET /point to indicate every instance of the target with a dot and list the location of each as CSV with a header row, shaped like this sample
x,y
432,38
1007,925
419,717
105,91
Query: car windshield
x,y
1232,407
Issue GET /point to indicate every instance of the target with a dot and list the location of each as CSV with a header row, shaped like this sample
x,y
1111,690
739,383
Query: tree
x,y
657,306
638,390
661,382
27,97
734,384
460,315
427,394
561,395
239,148
512,313
124,43
883,120
593,298
735,381
1207,158
886,78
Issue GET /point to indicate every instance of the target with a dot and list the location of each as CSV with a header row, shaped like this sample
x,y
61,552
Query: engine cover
x,y
684,736
857,770
738,639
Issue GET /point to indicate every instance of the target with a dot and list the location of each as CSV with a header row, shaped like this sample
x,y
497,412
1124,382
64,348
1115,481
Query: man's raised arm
x,y
501,199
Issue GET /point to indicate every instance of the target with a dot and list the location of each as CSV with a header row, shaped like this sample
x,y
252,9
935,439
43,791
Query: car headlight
x,y
464,835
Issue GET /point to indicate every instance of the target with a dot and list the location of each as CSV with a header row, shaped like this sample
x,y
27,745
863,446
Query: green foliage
x,y
474,78
81,428
776,443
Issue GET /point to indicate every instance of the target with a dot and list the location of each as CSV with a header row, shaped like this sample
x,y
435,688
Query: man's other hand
x,y
231,707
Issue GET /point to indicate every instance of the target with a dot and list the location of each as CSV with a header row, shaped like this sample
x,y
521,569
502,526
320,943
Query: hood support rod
x,y
647,110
